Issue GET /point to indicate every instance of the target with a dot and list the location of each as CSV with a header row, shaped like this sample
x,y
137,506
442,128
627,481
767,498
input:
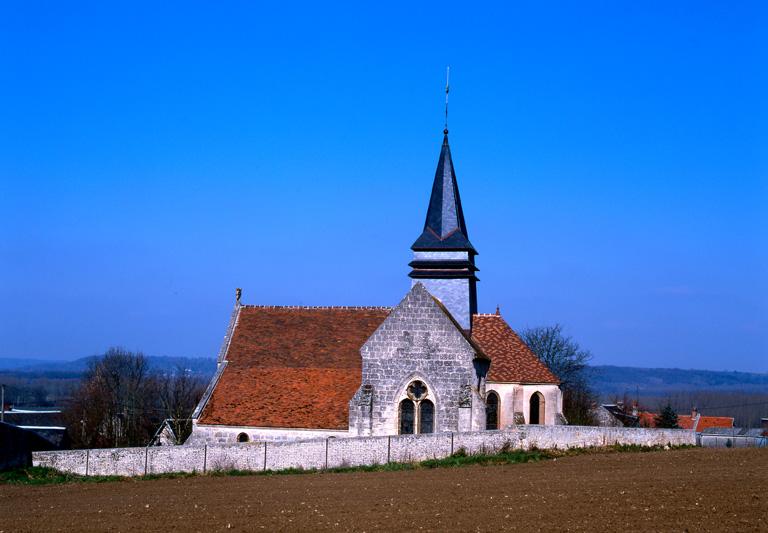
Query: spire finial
x,y
447,88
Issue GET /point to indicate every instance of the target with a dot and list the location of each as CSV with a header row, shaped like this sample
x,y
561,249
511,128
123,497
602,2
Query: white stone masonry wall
x,y
335,452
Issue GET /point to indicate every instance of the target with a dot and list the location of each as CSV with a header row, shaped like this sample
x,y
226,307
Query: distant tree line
x,y
33,389
121,402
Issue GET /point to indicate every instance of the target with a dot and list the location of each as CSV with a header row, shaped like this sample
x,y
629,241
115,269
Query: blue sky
x,y
611,158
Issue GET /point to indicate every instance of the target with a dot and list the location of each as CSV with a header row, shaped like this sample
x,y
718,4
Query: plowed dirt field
x,y
693,490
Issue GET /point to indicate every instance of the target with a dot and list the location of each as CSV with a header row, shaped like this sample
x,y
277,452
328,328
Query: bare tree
x,y
114,404
178,394
568,361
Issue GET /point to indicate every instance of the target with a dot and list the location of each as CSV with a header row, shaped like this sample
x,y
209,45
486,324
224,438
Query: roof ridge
x,y
329,307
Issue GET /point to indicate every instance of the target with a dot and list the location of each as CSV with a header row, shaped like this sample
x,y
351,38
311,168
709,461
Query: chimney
x,y
634,408
694,414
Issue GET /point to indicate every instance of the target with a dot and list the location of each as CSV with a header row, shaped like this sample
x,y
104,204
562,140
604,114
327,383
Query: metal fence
x,y
730,441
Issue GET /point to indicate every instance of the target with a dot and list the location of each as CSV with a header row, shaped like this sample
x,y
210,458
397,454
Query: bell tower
x,y
443,257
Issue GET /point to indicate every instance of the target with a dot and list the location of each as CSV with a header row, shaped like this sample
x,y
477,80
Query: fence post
x,y
451,442
389,448
326,452
265,456
146,459
87,458
205,458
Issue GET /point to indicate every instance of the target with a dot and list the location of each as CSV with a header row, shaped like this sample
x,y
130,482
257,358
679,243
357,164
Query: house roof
x,y
648,419
292,360
49,418
617,411
511,359
444,228
704,422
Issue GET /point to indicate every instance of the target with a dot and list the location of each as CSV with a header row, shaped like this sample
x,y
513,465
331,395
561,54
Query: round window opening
x,y
417,391
242,437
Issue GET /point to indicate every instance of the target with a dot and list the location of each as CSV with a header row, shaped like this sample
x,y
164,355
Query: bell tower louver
x,y
443,257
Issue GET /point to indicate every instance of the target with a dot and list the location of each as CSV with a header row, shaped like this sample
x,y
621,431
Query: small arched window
x,y
492,411
243,437
426,417
536,415
407,417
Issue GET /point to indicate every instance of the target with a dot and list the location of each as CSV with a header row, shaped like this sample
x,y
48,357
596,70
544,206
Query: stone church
x,y
430,364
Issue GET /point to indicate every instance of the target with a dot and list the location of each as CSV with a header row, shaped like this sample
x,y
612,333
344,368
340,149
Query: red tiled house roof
x,y
292,367
511,359
686,422
648,420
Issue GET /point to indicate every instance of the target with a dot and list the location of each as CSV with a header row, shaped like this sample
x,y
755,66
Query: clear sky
x,y
612,159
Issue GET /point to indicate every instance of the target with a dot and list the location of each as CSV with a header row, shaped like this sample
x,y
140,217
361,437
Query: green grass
x,y
37,475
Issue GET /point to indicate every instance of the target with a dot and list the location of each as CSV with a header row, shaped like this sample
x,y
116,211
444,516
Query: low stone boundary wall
x,y
336,452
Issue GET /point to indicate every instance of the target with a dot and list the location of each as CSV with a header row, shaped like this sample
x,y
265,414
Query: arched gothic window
x,y
407,417
426,417
492,411
417,414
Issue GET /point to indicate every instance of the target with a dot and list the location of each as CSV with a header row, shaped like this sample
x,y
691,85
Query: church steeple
x,y
444,259
444,228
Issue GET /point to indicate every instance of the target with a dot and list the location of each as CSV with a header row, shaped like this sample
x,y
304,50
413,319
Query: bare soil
x,y
679,490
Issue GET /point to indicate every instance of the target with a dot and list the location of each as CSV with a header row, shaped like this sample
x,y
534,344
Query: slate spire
x,y
444,228
443,257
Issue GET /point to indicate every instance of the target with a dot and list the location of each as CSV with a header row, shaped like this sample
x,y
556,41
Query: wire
x,y
751,404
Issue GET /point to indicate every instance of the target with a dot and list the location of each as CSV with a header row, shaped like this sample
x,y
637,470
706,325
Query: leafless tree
x,y
122,402
568,361
178,394
114,404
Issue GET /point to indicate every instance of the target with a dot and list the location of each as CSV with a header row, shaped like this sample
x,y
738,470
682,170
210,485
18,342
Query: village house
x,y
430,364
617,415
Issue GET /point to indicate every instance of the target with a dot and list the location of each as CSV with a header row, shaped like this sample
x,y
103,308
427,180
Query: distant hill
x,y
616,380
196,365
606,380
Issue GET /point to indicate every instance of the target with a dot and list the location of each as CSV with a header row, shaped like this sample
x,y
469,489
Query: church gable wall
x,y
418,341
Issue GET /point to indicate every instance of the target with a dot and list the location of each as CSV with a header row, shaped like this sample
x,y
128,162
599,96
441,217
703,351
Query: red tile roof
x,y
298,367
292,367
511,359
648,420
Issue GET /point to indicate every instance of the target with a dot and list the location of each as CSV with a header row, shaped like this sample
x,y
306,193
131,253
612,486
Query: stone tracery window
x,y
417,413
417,391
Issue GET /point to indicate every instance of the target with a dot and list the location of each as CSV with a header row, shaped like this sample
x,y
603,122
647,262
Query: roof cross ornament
x,y
447,88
